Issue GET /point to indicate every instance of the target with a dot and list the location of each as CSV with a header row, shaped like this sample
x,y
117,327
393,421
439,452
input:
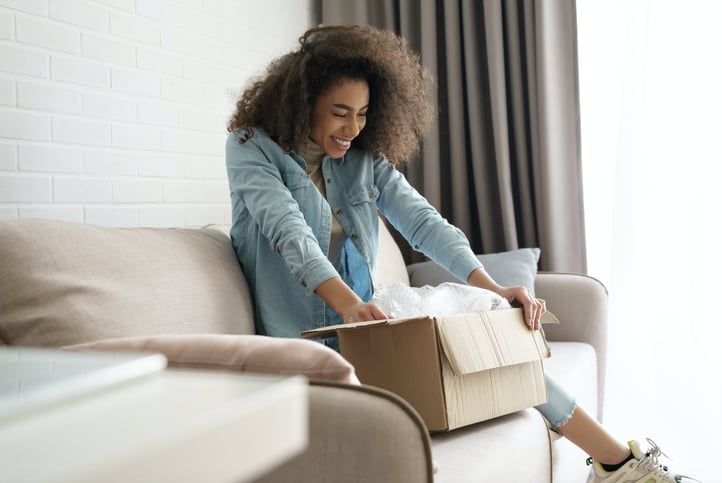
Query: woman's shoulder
x,y
253,139
254,135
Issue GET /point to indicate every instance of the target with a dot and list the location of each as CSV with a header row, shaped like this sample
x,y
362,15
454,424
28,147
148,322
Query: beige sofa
x,y
181,292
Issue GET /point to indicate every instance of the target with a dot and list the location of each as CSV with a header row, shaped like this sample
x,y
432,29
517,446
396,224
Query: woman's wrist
x,y
480,278
338,296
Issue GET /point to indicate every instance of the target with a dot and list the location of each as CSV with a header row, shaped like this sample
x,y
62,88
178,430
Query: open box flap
x,y
479,341
549,318
332,330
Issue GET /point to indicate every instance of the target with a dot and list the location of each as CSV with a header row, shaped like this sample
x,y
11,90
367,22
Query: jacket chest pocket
x,y
362,201
298,185
295,181
363,194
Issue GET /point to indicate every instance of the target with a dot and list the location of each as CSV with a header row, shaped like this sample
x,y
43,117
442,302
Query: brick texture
x,y
113,112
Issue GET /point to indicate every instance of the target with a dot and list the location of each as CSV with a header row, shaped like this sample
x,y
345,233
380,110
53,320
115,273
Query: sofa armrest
x,y
580,304
359,434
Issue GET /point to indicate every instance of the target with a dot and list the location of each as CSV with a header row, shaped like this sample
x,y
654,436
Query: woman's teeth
x,y
342,142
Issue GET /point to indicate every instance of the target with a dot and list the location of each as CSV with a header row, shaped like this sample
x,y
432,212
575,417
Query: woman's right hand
x,y
347,304
364,311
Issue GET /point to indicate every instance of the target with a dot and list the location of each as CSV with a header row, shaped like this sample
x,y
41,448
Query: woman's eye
x,y
338,115
362,114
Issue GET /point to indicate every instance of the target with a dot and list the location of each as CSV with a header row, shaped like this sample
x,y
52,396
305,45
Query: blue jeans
x,y
559,406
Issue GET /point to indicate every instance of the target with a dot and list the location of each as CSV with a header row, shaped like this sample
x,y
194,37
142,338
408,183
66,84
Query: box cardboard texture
x,y
454,370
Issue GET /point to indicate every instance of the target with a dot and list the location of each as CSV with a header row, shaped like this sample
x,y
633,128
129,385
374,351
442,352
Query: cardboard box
x,y
454,370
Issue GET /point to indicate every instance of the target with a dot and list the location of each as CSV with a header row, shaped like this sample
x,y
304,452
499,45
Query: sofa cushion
x,y
246,353
66,283
514,267
516,446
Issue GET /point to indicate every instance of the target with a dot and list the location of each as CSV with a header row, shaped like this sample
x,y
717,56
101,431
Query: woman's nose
x,y
352,127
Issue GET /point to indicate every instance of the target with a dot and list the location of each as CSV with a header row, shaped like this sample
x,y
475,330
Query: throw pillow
x,y
244,353
514,267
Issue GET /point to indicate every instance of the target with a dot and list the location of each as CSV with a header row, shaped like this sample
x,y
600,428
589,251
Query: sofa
x,y
180,292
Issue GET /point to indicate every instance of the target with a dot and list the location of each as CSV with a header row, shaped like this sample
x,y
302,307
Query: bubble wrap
x,y
400,300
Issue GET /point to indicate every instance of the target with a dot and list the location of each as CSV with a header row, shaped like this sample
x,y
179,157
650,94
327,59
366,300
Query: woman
x,y
312,156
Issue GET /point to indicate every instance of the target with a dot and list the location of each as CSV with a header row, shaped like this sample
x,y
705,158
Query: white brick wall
x,y
113,112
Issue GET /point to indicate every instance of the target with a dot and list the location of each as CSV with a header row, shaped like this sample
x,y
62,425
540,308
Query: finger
x,y
530,314
535,316
379,314
541,309
539,312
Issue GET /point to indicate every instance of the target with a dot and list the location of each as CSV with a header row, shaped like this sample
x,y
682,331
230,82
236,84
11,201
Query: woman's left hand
x,y
533,307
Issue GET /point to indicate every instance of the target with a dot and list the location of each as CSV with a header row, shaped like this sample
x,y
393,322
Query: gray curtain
x,y
503,160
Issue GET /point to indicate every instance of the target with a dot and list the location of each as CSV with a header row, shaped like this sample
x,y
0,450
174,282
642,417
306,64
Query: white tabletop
x,y
172,426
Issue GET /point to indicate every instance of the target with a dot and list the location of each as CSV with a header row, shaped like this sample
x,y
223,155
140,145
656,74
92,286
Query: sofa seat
x,y
494,447
467,454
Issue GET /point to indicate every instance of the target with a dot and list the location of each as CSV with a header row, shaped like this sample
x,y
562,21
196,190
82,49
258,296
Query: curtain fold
x,y
502,161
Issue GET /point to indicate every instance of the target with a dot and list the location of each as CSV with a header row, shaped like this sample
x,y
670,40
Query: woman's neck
x,y
311,152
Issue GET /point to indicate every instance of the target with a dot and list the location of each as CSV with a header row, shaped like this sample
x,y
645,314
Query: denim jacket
x,y
282,228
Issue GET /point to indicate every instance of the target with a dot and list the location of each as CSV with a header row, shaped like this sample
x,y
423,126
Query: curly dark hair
x,y
281,101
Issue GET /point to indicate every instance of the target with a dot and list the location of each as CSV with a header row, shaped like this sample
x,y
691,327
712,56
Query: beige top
x,y
313,155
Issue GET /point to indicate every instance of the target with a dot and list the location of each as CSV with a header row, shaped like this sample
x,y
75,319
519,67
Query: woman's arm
x,y
426,230
256,179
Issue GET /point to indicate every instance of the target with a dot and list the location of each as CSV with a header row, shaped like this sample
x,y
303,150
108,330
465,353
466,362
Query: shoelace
x,y
650,462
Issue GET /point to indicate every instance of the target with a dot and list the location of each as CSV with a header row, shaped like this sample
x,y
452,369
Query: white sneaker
x,y
644,467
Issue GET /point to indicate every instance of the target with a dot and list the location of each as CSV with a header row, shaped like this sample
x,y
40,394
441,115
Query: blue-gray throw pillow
x,y
514,267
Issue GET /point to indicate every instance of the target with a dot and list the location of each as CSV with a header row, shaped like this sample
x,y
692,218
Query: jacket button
x,y
339,212
371,195
353,236
304,284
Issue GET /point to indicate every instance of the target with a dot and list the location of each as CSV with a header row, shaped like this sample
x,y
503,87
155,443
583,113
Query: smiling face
x,y
339,115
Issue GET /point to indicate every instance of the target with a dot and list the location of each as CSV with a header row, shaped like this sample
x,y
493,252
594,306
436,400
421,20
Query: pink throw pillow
x,y
244,353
